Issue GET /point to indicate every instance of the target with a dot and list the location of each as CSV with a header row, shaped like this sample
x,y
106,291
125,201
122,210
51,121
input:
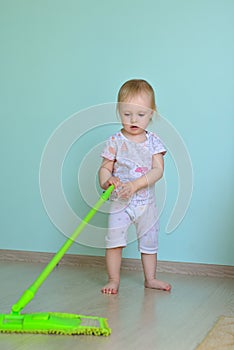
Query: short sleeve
x,y
109,151
157,145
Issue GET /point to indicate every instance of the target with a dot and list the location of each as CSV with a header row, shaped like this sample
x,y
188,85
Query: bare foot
x,y
110,288
157,284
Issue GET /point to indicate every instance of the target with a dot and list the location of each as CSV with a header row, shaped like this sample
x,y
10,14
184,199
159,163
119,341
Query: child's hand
x,y
112,181
127,190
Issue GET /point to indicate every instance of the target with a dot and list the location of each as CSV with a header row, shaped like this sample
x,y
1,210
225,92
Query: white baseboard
x,y
192,269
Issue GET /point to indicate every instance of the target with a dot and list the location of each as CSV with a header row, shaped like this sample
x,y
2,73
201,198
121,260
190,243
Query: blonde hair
x,y
135,87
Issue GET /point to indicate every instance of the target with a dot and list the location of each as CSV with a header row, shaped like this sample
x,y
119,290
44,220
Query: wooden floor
x,y
140,318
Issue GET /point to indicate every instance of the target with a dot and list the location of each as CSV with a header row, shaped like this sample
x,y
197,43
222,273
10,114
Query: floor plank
x,y
140,318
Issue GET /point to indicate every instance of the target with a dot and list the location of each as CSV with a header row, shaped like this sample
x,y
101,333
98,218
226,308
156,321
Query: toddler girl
x,y
133,163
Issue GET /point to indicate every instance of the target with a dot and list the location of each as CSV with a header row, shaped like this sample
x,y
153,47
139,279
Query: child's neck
x,y
138,138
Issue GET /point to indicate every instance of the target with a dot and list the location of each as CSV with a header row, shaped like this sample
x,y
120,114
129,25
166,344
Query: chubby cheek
x,y
126,126
144,124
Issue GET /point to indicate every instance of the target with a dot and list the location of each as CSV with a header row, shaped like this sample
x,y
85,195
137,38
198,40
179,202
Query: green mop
x,y
52,322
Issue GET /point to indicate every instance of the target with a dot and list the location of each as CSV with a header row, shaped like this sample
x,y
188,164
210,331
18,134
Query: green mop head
x,y
54,323
51,322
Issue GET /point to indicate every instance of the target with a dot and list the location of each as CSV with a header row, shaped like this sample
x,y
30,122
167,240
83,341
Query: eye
x,y
141,115
126,114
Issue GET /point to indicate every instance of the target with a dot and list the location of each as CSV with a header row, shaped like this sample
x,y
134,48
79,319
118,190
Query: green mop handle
x,y
28,295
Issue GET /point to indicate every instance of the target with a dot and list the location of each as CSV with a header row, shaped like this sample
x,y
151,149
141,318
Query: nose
x,y
133,118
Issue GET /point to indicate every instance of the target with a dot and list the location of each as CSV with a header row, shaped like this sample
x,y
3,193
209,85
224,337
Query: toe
x,y
168,288
114,291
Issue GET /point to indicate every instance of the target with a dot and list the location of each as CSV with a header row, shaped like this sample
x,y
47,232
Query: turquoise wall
x,y
61,57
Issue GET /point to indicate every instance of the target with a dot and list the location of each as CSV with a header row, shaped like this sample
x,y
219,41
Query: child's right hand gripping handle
x,y
105,196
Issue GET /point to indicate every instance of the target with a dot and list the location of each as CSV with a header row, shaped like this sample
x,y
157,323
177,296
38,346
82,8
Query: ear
x,y
151,114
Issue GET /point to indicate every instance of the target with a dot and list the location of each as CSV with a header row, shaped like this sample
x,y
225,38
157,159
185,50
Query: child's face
x,y
136,114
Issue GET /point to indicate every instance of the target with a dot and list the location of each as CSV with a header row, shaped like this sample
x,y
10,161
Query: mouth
x,y
134,127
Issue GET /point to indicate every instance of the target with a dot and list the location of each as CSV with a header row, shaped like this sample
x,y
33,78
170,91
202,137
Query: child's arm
x,y
105,174
150,178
